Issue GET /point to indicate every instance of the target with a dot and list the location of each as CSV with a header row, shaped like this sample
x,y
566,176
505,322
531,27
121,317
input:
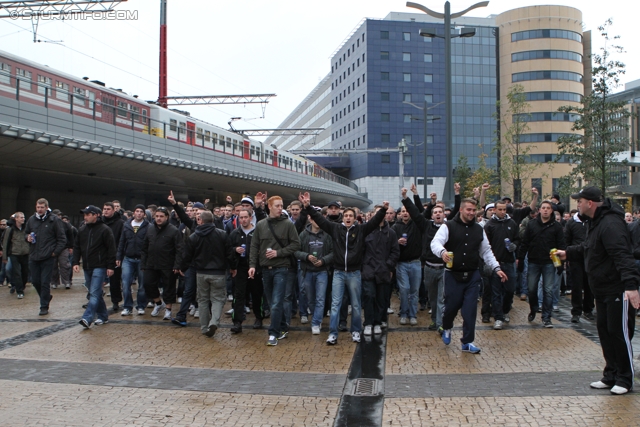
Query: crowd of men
x,y
337,261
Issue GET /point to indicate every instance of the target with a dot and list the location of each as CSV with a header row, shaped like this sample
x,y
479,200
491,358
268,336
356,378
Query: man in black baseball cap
x,y
588,193
91,209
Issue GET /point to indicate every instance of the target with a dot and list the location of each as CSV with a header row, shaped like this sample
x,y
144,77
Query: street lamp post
x,y
465,32
402,147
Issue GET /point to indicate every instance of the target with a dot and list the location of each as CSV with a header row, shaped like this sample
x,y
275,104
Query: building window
x,y
406,118
428,99
363,116
384,75
406,97
546,117
384,35
406,37
427,39
546,54
546,75
428,78
384,96
430,162
406,56
428,57
429,139
546,34
384,117
385,158
5,73
406,77
407,138
363,78
537,183
553,96
385,137
384,55
407,159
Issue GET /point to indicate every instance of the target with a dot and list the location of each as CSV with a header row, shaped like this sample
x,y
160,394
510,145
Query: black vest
x,y
464,241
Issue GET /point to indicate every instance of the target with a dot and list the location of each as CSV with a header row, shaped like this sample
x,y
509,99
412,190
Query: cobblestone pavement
x,y
140,370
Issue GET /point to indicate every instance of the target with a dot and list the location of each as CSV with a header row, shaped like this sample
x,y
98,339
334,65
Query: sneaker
x,y
179,299
432,326
12,290
446,336
54,286
125,312
343,327
141,311
429,311
85,323
257,324
150,304
157,308
547,324
304,320
272,341
423,307
236,328
383,325
589,316
43,312
599,385
355,336
247,310
67,286
497,325
575,318
531,317
556,308
192,309
196,315
470,348
486,318
267,314
440,330
523,297
377,330
619,390
507,319
568,292
211,331
229,313
367,330
332,340
540,309
20,296
100,322
283,335
403,320
328,313
413,321
179,322
167,315
390,310
230,298
315,330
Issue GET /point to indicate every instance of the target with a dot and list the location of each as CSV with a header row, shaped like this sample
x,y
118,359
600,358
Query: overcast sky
x,y
221,47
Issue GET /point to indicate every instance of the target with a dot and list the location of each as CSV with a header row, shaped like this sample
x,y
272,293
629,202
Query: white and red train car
x,y
38,84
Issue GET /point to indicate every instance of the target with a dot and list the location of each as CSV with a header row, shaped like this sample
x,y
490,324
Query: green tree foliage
x,y
482,174
462,172
603,122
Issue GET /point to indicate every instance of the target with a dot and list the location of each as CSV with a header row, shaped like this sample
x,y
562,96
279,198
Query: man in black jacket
x,y
61,274
541,235
161,261
96,247
348,247
499,228
409,231
614,280
575,233
49,242
208,250
113,220
128,258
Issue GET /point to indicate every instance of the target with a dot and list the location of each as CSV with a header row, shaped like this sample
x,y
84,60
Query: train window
x,y
62,90
199,133
25,78
5,73
144,112
78,95
92,98
135,113
228,142
253,151
44,82
173,125
214,136
235,144
207,135
122,109
182,128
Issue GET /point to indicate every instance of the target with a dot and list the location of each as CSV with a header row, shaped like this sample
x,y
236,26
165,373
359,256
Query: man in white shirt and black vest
x,y
466,239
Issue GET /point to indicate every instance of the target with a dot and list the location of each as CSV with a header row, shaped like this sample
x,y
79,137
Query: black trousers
x,y
579,283
115,286
373,301
19,272
243,286
152,280
487,296
616,321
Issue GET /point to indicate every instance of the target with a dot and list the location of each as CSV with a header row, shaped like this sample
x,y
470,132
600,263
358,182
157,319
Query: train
x,y
41,85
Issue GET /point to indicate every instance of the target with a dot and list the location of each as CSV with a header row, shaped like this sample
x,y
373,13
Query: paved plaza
x,y
142,371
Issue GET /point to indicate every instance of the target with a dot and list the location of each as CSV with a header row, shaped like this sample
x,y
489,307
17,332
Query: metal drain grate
x,y
365,387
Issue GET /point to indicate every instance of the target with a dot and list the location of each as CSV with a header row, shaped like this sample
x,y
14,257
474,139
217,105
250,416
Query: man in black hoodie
x,y
113,219
575,233
128,258
208,250
614,279
541,235
47,242
96,247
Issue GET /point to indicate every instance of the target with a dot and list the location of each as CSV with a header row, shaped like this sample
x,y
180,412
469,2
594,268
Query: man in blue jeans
x,y
128,257
96,247
348,248
274,242
541,235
